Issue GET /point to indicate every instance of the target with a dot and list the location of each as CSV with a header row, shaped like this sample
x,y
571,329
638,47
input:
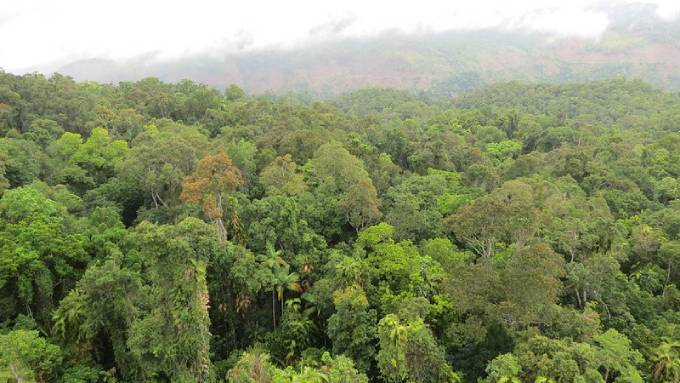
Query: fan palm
x,y
667,362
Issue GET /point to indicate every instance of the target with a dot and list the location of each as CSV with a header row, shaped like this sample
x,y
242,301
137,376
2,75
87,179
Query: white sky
x,y
39,32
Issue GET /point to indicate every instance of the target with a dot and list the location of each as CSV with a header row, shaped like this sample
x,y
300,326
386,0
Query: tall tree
x,y
356,196
42,254
157,165
409,353
27,356
352,327
215,178
172,341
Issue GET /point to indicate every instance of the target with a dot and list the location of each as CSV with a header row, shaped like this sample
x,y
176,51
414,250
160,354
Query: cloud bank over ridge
x,y
42,34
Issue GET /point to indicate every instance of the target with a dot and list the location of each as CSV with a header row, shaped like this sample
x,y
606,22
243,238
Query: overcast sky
x,y
39,32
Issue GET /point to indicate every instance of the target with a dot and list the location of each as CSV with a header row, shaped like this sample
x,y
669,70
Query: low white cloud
x,y
36,32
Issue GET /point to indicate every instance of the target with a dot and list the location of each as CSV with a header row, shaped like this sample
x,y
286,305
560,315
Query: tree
x,y
42,253
507,215
106,302
27,356
282,279
513,293
87,164
157,167
277,220
43,131
340,369
610,358
530,284
281,177
99,155
361,204
122,123
293,335
409,353
669,256
21,161
503,150
193,100
504,368
666,362
252,367
233,92
444,252
415,207
397,268
617,356
243,154
357,198
215,178
594,279
172,340
301,144
150,96
352,327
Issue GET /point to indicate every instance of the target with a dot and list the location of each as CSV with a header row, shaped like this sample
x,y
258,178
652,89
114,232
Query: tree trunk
x,y
15,371
160,199
668,278
221,231
274,307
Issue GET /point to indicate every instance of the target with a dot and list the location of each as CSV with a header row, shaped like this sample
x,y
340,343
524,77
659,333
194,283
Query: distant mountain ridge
x,y
636,45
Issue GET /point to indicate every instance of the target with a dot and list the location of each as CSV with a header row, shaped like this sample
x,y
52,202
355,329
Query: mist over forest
x,y
635,44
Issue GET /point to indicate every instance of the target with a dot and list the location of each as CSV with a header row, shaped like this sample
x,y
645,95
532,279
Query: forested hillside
x,y
635,44
157,232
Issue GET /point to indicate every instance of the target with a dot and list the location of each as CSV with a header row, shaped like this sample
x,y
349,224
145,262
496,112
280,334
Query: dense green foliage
x,y
154,232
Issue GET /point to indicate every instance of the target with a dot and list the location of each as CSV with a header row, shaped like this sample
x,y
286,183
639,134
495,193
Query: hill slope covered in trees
x,y
635,44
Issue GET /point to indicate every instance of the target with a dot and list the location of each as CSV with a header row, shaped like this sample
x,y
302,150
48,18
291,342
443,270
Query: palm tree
x,y
281,278
667,358
310,375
